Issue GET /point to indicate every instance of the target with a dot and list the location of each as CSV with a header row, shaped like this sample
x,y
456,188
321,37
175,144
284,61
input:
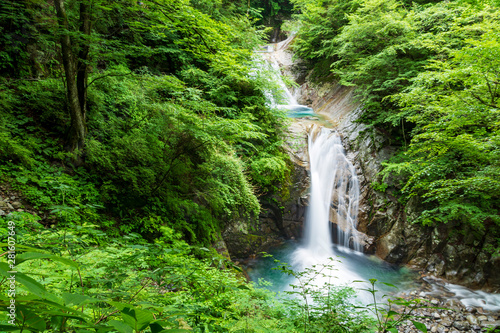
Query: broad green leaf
x,y
92,328
391,314
389,285
142,318
66,312
76,299
22,247
38,255
121,327
31,285
119,305
129,317
63,314
155,327
421,327
30,319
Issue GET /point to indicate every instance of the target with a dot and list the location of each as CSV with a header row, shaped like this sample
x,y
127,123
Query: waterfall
x,y
334,194
332,215
282,99
287,95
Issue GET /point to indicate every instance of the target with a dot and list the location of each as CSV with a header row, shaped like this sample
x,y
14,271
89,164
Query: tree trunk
x,y
83,57
77,132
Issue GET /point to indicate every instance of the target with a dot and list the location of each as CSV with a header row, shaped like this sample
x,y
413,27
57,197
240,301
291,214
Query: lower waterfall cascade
x,y
334,194
330,228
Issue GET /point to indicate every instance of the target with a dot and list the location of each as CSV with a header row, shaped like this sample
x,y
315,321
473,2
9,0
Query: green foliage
x,y
270,13
320,22
174,121
128,285
166,141
454,151
270,171
387,318
380,46
80,279
15,33
381,187
11,147
320,308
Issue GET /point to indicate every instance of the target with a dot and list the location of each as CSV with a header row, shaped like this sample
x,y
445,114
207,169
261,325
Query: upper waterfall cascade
x,y
286,101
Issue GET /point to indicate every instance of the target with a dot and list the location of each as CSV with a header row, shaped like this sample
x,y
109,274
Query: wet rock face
x,y
291,210
438,250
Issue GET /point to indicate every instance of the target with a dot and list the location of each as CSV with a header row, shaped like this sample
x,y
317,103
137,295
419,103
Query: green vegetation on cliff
x,y
427,75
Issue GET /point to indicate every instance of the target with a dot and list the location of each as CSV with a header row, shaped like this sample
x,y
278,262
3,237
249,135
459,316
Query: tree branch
x,y
103,76
104,317
489,88
484,102
211,50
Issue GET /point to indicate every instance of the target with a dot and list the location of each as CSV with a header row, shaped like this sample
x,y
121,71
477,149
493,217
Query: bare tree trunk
x,y
77,132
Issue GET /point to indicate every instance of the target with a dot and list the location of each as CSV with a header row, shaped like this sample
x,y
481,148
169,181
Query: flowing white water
x,y
334,194
283,99
333,210
287,95
468,297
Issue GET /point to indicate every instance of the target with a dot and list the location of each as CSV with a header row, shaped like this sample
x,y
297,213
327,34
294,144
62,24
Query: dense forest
x,y
132,132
